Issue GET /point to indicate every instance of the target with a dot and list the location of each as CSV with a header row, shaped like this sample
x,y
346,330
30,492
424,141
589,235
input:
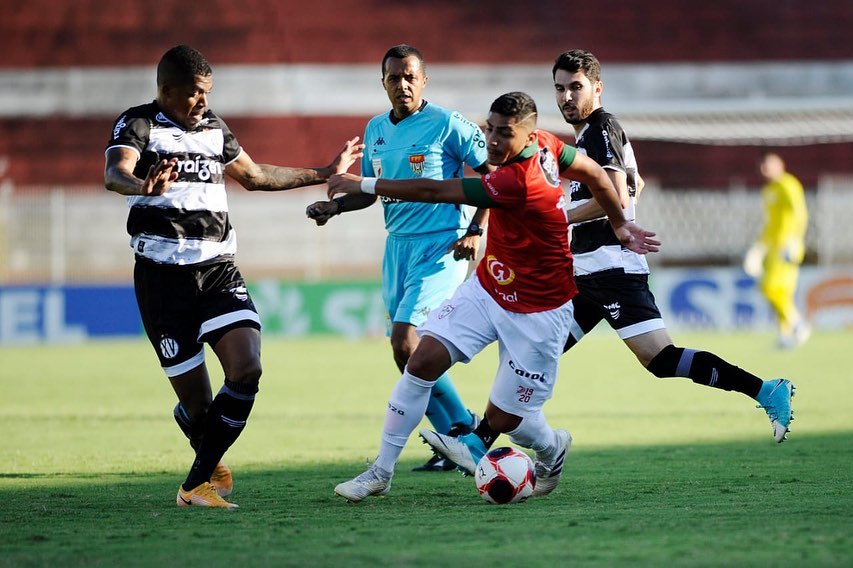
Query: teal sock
x,y
437,416
445,393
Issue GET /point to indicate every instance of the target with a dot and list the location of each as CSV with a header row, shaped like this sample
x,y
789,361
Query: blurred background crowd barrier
x,y
702,90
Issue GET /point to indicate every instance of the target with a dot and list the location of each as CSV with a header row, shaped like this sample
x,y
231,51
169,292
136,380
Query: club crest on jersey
x,y
446,310
417,162
549,167
502,273
169,348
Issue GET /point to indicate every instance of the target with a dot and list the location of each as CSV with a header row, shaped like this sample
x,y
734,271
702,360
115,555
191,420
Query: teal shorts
x,y
418,273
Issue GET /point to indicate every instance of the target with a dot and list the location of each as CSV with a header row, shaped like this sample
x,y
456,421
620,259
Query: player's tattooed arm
x,y
265,177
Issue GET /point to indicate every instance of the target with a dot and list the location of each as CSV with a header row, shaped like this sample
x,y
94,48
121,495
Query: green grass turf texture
x,y
662,472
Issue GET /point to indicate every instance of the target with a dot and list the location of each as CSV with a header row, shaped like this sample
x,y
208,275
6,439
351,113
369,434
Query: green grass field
x,y
662,472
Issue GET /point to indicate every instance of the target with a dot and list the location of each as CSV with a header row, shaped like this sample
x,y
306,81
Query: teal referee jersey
x,y
433,143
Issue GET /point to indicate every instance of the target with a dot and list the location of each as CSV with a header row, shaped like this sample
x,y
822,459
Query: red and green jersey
x,y
527,265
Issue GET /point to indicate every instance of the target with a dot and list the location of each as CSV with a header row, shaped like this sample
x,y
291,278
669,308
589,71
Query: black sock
x,y
705,369
194,431
224,422
461,428
485,432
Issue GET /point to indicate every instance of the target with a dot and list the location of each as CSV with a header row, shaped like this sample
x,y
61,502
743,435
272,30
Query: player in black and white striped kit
x,y
612,281
170,158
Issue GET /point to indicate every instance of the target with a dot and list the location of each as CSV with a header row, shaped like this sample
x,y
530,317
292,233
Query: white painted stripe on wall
x,y
355,90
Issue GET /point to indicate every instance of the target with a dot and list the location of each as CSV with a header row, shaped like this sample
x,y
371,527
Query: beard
x,y
583,112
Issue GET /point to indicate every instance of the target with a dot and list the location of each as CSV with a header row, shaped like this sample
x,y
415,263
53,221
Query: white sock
x,y
406,409
534,433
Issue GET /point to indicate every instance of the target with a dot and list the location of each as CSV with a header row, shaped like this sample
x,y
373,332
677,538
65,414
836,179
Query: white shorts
x,y
530,345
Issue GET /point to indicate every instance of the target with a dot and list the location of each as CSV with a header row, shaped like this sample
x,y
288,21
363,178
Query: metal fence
x,y
77,234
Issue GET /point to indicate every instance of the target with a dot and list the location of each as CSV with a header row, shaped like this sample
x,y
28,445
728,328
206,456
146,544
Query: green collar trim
x,y
528,152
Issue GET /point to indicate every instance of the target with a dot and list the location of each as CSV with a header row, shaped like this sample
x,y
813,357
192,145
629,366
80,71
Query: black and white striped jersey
x,y
189,223
595,247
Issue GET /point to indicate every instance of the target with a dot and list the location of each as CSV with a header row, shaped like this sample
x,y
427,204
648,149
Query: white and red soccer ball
x,y
505,475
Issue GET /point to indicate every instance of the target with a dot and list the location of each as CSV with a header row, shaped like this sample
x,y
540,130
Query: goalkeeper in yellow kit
x,y
776,256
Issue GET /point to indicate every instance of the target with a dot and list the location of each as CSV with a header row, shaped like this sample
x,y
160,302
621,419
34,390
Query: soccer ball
x,y
505,475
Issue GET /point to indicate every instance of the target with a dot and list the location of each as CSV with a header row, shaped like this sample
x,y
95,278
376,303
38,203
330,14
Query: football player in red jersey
x,y
520,295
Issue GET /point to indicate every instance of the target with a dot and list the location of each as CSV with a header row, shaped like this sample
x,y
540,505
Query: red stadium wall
x,y
74,153
50,33
63,150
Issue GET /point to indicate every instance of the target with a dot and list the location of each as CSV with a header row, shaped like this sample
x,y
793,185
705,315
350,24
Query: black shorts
x,y
183,307
624,300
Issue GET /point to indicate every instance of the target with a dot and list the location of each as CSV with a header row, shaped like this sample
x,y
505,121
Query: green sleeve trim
x,y
567,156
475,193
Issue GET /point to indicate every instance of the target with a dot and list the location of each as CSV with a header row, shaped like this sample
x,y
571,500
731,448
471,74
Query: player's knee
x,y
401,356
424,369
503,422
429,361
665,364
402,348
249,372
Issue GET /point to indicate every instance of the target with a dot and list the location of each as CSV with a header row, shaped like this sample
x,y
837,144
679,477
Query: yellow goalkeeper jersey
x,y
785,214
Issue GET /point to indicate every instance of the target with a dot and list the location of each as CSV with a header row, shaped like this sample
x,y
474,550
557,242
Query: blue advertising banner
x,y
66,314
725,298
713,299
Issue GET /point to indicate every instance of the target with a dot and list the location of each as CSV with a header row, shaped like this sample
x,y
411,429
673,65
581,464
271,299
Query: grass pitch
x,y
660,472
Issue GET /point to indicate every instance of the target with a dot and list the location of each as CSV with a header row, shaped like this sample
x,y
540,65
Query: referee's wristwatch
x,y
474,230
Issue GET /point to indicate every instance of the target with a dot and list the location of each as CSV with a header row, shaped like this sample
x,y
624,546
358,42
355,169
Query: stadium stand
x,y
808,45
703,89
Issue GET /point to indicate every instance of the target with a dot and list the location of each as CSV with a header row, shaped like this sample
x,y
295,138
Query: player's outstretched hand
x,y
160,177
465,248
351,151
637,239
344,183
322,211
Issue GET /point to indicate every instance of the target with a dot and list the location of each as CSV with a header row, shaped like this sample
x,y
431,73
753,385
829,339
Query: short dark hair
x,y
181,64
578,60
401,52
515,105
